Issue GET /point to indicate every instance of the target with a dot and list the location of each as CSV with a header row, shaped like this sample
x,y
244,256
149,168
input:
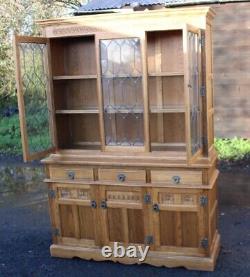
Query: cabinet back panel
x,y
75,94
73,56
168,129
86,222
165,51
124,129
78,131
166,91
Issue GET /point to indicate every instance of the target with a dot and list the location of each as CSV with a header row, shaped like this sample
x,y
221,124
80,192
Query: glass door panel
x,y
121,71
194,95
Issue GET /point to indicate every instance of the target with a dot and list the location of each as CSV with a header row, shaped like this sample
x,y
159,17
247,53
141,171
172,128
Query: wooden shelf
x,y
87,111
74,77
122,76
171,144
115,111
87,143
174,109
165,74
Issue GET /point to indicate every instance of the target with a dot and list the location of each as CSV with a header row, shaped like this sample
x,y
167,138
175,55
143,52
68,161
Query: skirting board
x,y
153,258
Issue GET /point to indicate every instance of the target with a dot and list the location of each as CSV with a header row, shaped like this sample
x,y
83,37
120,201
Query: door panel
x,y
122,214
77,214
192,48
86,223
178,220
67,221
34,100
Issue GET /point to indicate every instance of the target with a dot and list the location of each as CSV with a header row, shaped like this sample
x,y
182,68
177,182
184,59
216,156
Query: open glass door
x,y
193,72
34,101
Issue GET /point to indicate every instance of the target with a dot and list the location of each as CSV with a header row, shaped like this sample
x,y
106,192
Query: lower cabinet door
x,y
76,212
179,221
122,215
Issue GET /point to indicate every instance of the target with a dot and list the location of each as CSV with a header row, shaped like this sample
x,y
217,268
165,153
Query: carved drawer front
x,y
122,175
71,173
177,177
67,193
172,200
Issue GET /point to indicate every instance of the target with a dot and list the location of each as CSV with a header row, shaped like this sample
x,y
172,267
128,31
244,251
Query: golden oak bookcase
x,y
130,113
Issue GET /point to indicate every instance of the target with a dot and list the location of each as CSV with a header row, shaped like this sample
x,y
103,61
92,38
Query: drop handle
x,y
176,179
71,175
121,177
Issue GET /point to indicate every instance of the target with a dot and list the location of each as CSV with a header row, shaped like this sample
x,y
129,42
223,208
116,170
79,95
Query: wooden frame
x,y
26,153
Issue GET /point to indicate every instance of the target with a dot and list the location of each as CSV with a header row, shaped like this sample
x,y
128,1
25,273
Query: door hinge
x,y
51,193
55,232
204,243
202,41
203,91
147,198
203,200
149,240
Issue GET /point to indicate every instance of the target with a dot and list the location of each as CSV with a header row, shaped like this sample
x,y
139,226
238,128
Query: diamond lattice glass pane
x,y
122,91
34,83
194,92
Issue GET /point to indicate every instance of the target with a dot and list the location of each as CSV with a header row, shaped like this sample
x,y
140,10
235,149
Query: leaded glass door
x,y
122,92
193,71
34,105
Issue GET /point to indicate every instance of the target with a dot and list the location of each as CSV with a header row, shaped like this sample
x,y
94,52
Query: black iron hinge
x,y
51,193
204,243
203,200
149,240
55,232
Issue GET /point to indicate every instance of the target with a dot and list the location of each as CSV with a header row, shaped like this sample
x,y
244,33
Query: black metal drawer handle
x,y
121,177
176,179
156,208
71,175
103,204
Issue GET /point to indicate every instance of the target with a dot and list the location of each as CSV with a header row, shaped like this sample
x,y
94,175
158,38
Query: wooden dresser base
x,y
155,258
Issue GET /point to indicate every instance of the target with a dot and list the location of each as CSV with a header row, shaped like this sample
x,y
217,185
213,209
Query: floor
x,y
25,240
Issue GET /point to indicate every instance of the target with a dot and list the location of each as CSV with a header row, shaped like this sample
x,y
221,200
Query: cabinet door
x,y
34,100
193,82
76,214
122,215
179,221
122,92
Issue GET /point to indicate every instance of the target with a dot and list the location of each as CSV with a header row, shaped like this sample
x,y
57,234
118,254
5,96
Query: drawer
x,y
73,193
122,175
71,173
177,177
